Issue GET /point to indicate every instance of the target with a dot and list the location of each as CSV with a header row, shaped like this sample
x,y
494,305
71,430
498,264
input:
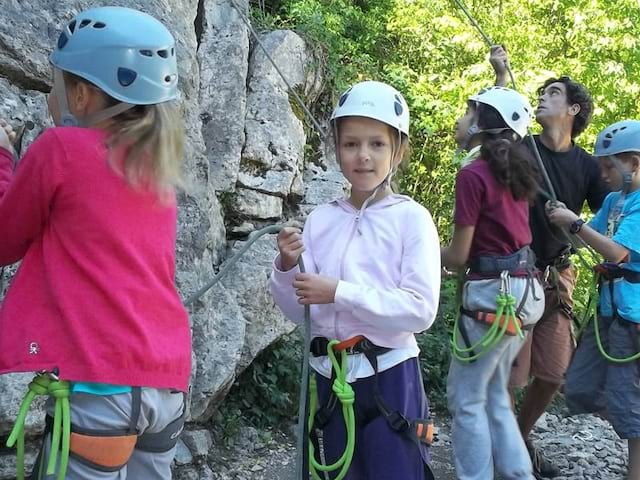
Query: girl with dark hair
x,y
501,295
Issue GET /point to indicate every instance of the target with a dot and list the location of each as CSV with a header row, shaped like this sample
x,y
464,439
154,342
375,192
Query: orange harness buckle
x,y
490,318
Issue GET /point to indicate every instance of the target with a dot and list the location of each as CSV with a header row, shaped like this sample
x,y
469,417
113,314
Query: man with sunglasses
x,y
564,111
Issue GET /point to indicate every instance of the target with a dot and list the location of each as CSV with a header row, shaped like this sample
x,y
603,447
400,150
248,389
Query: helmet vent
x,y
515,117
343,99
99,25
126,76
163,53
173,51
84,23
622,128
146,53
72,26
62,40
398,108
169,78
606,143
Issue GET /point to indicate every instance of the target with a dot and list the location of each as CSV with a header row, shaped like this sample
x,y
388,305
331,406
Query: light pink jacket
x,y
387,261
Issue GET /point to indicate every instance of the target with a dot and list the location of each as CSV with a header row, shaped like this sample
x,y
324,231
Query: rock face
x,y
244,162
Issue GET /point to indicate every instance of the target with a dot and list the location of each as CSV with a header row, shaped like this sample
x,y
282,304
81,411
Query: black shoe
x,y
542,467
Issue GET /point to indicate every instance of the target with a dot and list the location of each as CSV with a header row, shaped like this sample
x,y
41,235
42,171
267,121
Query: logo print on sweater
x,y
34,348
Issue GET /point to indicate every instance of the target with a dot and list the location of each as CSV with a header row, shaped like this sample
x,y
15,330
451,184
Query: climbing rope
x,y
46,384
304,107
345,394
504,317
231,262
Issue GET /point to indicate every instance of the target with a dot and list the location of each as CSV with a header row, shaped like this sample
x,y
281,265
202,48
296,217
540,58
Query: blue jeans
x,y
485,430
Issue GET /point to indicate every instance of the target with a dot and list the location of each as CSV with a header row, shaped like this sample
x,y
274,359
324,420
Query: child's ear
x,y
78,94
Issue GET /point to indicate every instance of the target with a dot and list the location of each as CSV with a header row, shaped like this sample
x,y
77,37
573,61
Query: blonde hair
x,y
152,137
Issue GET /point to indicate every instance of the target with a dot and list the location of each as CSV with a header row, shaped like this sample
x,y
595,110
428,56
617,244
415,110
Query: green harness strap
x,y
46,384
345,394
505,309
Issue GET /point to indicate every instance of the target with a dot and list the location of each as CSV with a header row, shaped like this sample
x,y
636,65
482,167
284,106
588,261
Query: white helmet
x,y
512,106
375,100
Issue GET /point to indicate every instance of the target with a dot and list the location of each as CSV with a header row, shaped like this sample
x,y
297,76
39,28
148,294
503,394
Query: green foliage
x,y
266,394
430,52
435,346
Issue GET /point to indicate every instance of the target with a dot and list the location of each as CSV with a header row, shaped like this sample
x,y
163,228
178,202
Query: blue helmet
x,y
619,137
128,54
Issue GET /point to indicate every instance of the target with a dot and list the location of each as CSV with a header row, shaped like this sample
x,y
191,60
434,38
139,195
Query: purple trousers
x,y
380,452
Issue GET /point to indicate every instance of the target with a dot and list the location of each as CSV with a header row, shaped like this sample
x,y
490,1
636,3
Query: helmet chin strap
x,y
67,119
627,177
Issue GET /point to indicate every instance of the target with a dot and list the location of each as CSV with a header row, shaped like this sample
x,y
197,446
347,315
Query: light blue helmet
x,y
128,54
619,137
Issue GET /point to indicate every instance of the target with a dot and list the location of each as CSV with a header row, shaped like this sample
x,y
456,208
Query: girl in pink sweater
x,y
90,211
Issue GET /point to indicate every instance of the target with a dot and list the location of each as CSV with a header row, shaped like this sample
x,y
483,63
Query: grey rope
x,y
304,107
231,262
302,451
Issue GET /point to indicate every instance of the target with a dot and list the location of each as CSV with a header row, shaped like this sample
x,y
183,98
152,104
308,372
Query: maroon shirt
x,y
501,222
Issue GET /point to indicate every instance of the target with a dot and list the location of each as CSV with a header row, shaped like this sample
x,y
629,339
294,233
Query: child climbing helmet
x,y
375,100
513,107
128,54
619,137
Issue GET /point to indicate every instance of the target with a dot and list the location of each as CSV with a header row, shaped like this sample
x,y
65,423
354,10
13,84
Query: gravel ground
x,y
584,447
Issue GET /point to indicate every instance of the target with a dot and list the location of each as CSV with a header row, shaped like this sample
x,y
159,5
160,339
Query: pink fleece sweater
x,y
94,295
387,261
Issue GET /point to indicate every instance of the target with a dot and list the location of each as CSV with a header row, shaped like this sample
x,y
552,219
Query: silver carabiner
x,y
505,284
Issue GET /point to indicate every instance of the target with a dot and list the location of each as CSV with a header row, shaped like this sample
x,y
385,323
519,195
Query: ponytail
x,y
511,164
154,139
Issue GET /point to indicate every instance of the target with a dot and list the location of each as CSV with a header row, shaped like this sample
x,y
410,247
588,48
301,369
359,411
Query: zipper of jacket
x,y
354,228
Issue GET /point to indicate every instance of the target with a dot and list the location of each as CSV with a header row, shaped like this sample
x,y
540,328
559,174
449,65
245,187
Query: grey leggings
x,y
113,412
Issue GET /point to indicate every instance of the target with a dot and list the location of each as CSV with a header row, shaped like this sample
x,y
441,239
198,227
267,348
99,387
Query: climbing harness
x,y
503,322
106,451
608,273
419,431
